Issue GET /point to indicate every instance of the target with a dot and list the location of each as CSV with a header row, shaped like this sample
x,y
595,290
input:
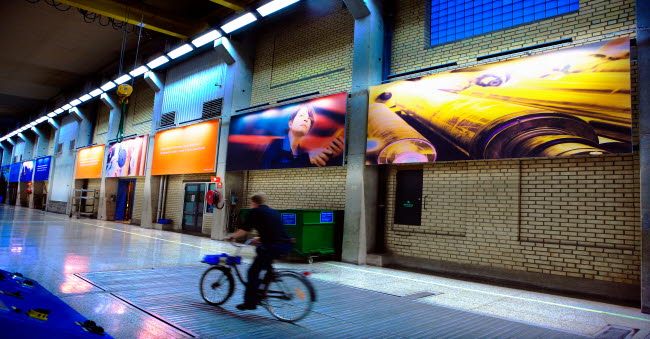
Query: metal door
x,y
193,202
124,200
408,198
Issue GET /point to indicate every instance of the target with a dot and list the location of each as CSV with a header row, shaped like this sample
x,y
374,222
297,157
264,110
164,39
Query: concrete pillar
x,y
237,94
42,142
643,59
152,183
28,150
105,203
361,180
55,125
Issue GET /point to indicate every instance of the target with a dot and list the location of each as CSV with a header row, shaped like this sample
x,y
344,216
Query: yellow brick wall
x,y
100,135
575,217
410,49
299,187
138,200
305,48
308,45
140,110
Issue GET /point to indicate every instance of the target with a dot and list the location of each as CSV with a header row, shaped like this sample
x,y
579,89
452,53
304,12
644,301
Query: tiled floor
x,y
53,249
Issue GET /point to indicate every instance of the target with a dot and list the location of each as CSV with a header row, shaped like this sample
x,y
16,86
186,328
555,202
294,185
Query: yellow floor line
x,y
491,293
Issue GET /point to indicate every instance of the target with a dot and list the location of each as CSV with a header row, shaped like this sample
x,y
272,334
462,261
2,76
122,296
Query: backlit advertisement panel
x,y
42,170
189,149
89,162
27,171
574,101
14,172
305,134
127,158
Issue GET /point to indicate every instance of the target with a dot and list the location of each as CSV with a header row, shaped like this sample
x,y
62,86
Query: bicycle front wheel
x,y
217,285
289,296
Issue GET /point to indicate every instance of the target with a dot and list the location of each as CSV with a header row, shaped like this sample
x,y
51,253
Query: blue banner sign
x,y
42,171
14,172
288,218
326,217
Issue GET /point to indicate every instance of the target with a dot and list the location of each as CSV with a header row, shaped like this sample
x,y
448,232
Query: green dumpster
x,y
313,231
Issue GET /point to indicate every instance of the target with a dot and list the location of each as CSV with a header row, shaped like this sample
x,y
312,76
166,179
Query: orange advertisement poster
x,y
189,149
89,162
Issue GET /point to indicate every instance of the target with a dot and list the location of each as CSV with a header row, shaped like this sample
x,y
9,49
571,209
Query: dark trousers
x,y
263,261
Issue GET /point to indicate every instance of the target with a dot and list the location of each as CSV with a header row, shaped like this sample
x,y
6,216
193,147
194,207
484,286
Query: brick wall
x,y
100,134
411,50
140,109
299,187
310,52
574,217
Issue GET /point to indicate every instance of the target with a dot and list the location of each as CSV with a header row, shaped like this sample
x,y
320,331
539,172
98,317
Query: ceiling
x,y
53,51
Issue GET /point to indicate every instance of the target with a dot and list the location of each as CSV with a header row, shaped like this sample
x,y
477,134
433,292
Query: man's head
x,y
302,120
258,199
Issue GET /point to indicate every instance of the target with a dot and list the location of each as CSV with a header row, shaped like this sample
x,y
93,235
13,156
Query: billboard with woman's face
x,y
127,158
306,134
574,101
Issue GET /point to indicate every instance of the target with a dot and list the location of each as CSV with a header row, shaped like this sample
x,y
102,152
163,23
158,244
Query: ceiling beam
x,y
229,4
134,16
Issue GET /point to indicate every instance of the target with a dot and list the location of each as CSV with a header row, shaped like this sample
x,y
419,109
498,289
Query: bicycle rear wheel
x,y
289,296
217,285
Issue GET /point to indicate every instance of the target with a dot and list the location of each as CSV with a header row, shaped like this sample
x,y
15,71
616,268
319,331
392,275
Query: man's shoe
x,y
244,307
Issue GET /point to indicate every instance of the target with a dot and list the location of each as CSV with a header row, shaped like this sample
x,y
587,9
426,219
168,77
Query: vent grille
x,y
59,148
18,158
212,109
168,119
72,142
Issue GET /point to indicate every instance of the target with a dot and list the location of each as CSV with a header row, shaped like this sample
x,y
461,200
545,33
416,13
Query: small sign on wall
x,y
288,218
326,217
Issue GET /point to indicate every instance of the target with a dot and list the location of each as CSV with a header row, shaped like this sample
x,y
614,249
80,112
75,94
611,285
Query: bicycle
x,y
287,295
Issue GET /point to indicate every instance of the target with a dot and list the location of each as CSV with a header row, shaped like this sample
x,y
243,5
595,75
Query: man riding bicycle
x,y
274,242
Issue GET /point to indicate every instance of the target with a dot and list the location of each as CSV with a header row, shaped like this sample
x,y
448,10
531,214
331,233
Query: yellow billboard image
x,y
575,101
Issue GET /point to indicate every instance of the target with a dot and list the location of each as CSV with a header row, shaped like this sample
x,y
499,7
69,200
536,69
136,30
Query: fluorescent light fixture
x,y
180,51
238,23
75,102
108,86
205,38
158,61
139,71
85,97
275,6
66,107
33,124
95,92
57,111
124,78
41,119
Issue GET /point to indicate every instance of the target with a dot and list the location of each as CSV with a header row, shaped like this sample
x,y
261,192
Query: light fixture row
x,y
212,35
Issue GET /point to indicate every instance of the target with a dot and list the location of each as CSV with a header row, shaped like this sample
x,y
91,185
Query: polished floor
x,y
69,257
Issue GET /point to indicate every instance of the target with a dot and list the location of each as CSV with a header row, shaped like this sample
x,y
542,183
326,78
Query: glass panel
x,y
463,16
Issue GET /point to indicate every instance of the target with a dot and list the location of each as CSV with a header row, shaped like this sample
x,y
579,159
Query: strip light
x,y
57,111
66,107
85,98
139,71
96,92
238,23
205,38
75,102
158,61
275,6
108,86
186,48
124,78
